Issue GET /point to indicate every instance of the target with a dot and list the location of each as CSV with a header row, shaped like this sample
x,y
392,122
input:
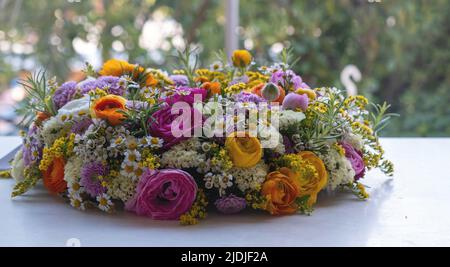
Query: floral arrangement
x,y
159,144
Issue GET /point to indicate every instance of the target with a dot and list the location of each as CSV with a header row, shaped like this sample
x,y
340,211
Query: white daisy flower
x,y
128,169
104,202
132,156
75,188
77,202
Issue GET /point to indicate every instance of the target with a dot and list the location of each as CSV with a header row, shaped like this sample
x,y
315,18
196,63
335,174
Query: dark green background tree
x,y
401,47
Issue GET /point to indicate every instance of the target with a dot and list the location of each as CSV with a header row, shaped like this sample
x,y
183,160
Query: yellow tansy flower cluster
x,y
62,147
222,159
235,88
149,160
197,211
359,101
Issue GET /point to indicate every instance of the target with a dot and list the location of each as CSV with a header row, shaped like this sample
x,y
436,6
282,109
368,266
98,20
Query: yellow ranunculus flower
x,y
312,184
309,92
244,152
241,58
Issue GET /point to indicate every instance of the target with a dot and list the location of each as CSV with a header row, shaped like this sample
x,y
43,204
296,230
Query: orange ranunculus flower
x,y
212,87
241,58
116,67
257,91
244,151
108,107
54,176
313,184
281,189
150,80
42,116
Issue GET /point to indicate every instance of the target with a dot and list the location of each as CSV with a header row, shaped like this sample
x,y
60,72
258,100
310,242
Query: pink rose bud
x,y
294,101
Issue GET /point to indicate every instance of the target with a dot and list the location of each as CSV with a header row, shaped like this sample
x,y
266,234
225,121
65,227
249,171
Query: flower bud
x,y
294,101
270,92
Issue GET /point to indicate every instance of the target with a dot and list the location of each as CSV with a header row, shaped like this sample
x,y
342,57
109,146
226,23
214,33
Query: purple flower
x,y
87,86
90,178
293,101
179,80
230,204
248,97
288,79
32,148
163,195
171,128
80,127
289,146
111,83
355,158
64,94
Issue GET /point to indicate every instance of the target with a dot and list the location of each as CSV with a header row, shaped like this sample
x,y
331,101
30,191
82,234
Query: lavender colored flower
x,y
288,79
179,80
112,84
248,97
356,159
89,178
64,94
109,83
230,204
32,148
136,105
293,101
81,126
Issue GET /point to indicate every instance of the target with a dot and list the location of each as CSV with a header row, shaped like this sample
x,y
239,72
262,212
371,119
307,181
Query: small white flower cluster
x,y
289,117
91,146
249,178
122,188
72,169
17,170
184,155
341,171
52,129
221,181
271,138
74,111
355,140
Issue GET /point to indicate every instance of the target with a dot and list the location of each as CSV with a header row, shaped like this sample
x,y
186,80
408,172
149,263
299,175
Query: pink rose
x,y
355,158
163,195
186,94
183,126
174,126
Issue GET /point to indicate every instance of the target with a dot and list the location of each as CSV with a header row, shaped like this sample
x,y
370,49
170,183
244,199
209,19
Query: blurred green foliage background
x,y
401,47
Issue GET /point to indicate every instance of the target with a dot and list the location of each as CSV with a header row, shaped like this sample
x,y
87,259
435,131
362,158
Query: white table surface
x,y
412,209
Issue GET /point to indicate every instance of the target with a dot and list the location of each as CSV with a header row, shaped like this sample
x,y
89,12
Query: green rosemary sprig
x,y
37,98
185,59
380,119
